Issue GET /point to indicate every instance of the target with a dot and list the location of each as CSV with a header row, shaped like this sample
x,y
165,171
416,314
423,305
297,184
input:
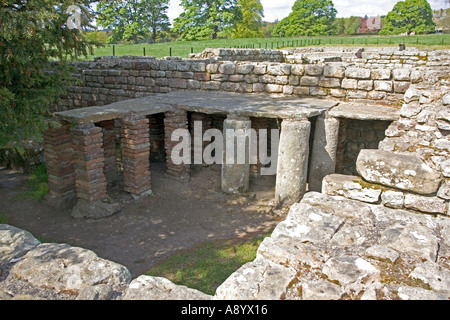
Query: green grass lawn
x,y
207,265
184,48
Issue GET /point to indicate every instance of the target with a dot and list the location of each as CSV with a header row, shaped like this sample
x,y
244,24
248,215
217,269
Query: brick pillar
x,y
109,150
135,143
172,122
89,161
59,159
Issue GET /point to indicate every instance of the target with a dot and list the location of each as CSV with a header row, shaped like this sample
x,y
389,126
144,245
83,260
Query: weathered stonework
x,y
398,171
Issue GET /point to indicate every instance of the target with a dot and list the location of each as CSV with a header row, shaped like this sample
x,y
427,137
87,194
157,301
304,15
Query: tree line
x,y
212,19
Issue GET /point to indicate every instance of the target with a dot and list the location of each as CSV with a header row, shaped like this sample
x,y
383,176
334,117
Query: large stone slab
x,y
157,288
68,269
249,105
351,187
14,243
365,112
399,171
260,279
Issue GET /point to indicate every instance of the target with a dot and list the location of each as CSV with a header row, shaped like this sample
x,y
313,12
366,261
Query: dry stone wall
x,y
111,79
410,170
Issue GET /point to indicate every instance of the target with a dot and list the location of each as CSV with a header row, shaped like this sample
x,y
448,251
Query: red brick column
x,y
59,157
135,143
89,162
109,149
172,122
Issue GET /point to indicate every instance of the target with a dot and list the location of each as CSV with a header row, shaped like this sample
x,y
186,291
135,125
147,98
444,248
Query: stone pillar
x,y
109,149
173,121
135,145
59,159
236,158
323,156
292,167
89,161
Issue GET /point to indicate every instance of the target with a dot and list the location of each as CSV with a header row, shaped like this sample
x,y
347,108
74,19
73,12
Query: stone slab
x,y
351,187
360,111
141,106
398,171
250,105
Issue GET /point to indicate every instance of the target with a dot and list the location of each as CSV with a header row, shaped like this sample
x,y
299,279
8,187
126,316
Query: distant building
x,y
370,25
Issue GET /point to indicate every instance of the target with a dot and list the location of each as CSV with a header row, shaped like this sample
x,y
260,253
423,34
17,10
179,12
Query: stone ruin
x,y
363,164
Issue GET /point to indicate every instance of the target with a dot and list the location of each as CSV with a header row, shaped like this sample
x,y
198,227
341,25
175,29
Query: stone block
x,y
404,172
383,85
297,70
313,70
401,74
401,87
330,82
227,68
308,81
349,84
366,85
334,71
357,73
444,190
425,204
393,199
381,74
244,68
351,187
274,88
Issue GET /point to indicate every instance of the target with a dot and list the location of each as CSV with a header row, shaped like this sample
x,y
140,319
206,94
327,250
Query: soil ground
x,y
177,216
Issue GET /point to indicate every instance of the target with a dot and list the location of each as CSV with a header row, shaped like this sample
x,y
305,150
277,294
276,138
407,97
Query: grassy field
x,y
184,48
207,265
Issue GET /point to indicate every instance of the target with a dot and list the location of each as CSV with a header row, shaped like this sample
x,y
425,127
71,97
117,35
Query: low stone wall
x,y
411,170
112,79
241,55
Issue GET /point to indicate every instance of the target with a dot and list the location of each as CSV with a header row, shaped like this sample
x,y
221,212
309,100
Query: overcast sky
x,y
278,9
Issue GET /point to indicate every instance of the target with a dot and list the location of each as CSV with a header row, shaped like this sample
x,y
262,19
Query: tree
x,y
409,16
32,32
157,17
203,19
308,18
133,18
249,20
